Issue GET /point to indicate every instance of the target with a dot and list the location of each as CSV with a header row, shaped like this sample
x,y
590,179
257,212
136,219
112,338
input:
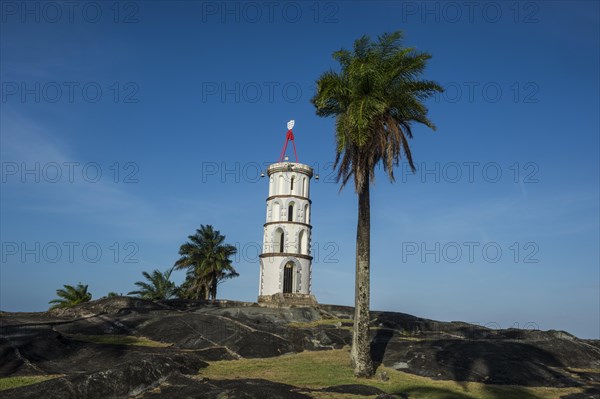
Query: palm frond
x,y
206,259
376,97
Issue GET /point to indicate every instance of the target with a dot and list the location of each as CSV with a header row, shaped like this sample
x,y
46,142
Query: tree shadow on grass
x,y
379,344
506,368
501,363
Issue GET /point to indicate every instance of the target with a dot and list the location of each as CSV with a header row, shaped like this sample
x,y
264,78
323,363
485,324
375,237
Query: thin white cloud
x,y
101,203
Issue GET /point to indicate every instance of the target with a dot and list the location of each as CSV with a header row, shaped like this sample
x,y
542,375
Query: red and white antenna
x,y
289,137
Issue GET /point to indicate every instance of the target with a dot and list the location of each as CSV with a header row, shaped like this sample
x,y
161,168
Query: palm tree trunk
x,y
361,342
213,289
206,291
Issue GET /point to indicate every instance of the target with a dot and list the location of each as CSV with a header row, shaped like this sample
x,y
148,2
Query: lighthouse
x,y
285,262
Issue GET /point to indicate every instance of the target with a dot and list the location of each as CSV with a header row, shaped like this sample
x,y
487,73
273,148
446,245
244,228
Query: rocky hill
x,y
125,347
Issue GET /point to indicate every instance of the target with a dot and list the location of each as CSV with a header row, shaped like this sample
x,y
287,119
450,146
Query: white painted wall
x,y
282,194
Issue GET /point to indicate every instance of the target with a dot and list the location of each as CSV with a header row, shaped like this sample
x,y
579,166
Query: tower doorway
x,y
288,277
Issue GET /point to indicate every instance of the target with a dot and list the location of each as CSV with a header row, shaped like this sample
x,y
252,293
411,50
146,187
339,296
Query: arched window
x,y
291,212
292,185
279,243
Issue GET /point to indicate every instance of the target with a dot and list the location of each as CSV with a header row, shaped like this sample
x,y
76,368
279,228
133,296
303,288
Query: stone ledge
x,y
287,300
284,255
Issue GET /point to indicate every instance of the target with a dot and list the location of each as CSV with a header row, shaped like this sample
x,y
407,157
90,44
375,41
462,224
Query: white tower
x,y
285,262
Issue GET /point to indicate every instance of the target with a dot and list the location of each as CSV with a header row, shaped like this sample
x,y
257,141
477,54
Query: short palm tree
x,y
375,98
159,286
206,258
187,290
71,296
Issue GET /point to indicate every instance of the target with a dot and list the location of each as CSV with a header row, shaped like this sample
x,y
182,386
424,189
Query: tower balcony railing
x,y
290,167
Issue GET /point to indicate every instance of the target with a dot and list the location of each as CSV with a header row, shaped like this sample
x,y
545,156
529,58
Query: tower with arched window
x,y
285,262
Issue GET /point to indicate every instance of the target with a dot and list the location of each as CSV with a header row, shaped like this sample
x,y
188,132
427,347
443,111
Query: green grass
x,y
329,368
120,340
15,382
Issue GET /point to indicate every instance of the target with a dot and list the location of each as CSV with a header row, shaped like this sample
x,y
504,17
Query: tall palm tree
x,y
207,260
375,98
158,287
71,296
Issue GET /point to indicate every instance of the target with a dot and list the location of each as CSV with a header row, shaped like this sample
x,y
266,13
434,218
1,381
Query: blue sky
x,y
124,128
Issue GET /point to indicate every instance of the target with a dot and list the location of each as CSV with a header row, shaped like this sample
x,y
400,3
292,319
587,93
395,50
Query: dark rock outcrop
x,y
179,386
121,380
195,332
